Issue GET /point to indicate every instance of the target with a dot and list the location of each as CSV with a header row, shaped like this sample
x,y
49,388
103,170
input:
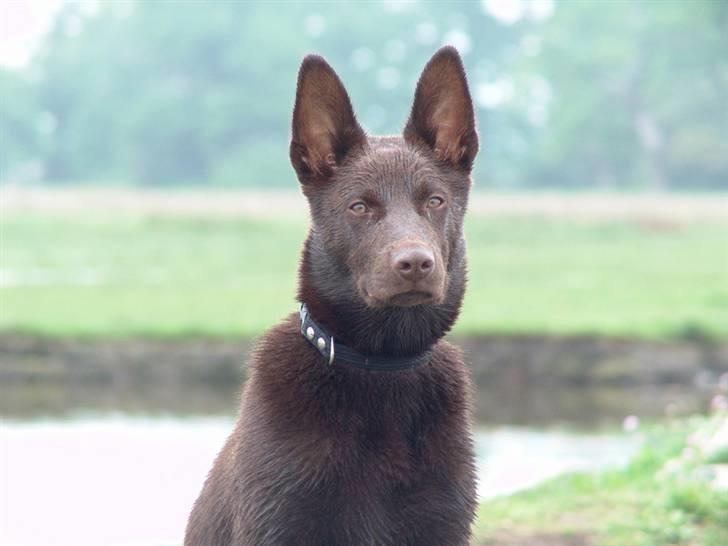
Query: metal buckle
x,y
302,313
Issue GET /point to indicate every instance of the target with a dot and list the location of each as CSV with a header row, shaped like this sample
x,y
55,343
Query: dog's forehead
x,y
388,160
393,153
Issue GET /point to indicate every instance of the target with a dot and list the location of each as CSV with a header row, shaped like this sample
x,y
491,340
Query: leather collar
x,y
335,352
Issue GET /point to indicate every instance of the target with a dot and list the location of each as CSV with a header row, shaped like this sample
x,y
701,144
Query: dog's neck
x,y
328,291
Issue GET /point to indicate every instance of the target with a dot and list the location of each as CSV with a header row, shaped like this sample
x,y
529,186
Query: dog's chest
x,y
383,441
384,466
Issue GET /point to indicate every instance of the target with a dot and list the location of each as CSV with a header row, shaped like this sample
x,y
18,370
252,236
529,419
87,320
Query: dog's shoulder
x,y
448,360
282,350
450,375
445,351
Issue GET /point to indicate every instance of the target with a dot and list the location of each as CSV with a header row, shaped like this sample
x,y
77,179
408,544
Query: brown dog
x,y
354,426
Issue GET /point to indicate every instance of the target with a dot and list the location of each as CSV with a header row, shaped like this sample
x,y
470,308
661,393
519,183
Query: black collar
x,y
340,353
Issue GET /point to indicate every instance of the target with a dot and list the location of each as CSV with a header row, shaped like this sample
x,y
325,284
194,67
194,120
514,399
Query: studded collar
x,y
335,352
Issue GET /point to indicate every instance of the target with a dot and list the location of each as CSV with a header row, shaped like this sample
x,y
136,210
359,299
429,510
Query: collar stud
x,y
321,340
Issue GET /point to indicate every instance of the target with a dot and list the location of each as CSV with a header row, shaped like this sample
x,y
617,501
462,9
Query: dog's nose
x,y
413,263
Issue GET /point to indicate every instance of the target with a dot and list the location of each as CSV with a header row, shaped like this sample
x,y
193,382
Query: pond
x,y
107,447
118,480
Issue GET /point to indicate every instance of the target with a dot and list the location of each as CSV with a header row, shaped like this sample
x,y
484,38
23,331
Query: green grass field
x,y
662,498
119,275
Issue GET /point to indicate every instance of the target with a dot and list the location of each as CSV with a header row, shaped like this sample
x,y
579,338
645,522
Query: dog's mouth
x,y
413,297
408,298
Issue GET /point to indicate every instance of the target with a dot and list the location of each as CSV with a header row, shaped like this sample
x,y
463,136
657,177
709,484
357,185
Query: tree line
x,y
576,94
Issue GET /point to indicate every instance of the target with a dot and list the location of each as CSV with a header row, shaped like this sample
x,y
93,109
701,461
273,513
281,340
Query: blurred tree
x,y
21,130
638,95
616,94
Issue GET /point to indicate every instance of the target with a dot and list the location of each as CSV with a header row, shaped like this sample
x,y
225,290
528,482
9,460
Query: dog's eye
x,y
435,202
359,208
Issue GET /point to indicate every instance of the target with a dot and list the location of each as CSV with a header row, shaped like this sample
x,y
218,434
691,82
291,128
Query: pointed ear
x,y
442,116
324,126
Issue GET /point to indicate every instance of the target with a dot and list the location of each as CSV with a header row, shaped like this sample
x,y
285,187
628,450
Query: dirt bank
x,y
547,359
520,380
539,539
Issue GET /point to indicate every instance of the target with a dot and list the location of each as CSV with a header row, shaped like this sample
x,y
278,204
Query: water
x,y
108,443
117,480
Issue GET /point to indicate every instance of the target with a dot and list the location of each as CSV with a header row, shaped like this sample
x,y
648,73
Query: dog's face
x,y
387,211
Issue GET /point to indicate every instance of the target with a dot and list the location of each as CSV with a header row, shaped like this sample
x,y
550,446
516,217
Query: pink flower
x,y
631,423
719,403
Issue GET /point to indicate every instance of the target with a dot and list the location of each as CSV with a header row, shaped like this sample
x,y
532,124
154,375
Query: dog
x,y
354,425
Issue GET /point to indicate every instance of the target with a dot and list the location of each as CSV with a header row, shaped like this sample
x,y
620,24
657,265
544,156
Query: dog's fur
x,y
335,455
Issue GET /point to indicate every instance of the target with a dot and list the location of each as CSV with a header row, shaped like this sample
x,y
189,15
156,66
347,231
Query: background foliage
x,y
578,93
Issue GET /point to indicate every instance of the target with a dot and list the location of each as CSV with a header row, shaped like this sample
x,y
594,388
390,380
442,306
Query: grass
x,y
122,275
642,505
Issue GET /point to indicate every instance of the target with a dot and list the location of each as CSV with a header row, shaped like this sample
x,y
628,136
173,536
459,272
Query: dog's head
x,y
386,211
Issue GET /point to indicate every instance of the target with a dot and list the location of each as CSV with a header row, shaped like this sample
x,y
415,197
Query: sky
x,y
22,25
24,22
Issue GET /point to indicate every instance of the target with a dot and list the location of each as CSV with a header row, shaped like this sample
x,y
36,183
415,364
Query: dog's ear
x,y
442,117
324,126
